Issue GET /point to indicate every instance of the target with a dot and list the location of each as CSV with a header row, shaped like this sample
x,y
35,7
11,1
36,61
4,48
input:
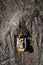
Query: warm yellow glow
x,y
21,40
21,50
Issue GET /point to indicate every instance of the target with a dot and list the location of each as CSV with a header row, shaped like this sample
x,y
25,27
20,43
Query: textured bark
x,y
11,13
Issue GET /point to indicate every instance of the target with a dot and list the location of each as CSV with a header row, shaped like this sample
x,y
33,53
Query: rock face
x,y
11,13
